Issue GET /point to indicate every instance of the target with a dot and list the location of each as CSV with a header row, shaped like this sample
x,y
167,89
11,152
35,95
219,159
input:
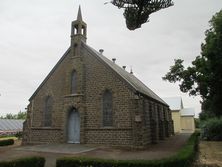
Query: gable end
x,y
50,73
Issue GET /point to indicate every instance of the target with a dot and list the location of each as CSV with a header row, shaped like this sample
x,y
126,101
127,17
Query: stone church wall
x,y
55,87
77,85
155,124
99,77
137,120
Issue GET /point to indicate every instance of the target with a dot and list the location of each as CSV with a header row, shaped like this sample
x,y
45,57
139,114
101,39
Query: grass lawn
x,y
11,137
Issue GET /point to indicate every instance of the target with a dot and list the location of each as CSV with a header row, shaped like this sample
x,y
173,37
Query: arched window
x,y
48,111
73,82
107,109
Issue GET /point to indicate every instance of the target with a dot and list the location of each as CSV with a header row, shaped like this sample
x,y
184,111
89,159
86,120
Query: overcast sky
x,y
34,34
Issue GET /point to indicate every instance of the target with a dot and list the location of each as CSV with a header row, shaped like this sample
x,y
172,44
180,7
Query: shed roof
x,y
11,124
175,103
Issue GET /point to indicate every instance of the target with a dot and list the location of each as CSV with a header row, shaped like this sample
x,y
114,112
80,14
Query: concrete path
x,y
51,152
57,148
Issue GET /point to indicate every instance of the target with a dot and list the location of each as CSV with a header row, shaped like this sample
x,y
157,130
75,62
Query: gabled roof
x,y
187,112
175,103
134,82
11,124
129,78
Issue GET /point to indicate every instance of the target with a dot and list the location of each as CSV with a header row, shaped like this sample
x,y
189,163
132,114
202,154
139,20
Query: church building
x,y
87,98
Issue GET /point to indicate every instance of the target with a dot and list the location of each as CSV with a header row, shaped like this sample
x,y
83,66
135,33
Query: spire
x,y
79,29
79,16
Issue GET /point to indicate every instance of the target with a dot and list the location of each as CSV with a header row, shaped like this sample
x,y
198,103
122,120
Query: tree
x,y
20,115
10,116
204,76
137,12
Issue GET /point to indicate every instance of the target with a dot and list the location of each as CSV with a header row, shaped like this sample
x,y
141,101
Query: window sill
x,y
73,95
107,127
45,128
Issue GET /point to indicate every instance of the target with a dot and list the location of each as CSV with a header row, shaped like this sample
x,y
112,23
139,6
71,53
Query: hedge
x,y
211,129
6,142
183,158
24,162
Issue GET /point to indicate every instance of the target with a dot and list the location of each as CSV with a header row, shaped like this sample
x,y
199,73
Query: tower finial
x,y
79,16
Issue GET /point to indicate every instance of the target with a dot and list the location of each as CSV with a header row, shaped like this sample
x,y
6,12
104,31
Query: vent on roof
x,y
114,60
131,70
124,67
101,51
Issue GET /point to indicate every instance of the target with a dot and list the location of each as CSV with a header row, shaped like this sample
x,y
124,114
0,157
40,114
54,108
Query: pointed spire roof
x,y
79,16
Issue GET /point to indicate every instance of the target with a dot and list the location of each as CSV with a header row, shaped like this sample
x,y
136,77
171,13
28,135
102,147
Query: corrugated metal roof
x,y
129,78
11,124
175,103
187,112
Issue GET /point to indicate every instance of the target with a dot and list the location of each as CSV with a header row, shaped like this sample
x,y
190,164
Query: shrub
x,y
211,129
18,135
197,122
6,142
25,162
183,158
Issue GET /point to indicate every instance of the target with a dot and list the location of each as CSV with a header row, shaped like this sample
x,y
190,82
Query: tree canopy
x,y
137,12
20,115
204,76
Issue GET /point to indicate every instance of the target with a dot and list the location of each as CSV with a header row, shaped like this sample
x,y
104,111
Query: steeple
x,y
79,16
79,30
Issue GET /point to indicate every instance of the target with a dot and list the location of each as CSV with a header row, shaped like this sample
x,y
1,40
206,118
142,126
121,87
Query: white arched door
x,y
74,127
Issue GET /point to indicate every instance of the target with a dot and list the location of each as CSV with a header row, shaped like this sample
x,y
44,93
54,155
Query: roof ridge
x,y
131,79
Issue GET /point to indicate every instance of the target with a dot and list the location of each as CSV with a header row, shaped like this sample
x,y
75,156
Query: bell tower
x,y
78,31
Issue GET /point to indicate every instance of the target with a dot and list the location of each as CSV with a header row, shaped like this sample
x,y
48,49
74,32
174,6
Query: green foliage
x,y
137,12
211,129
197,122
9,116
183,158
18,135
203,77
6,142
20,115
24,162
